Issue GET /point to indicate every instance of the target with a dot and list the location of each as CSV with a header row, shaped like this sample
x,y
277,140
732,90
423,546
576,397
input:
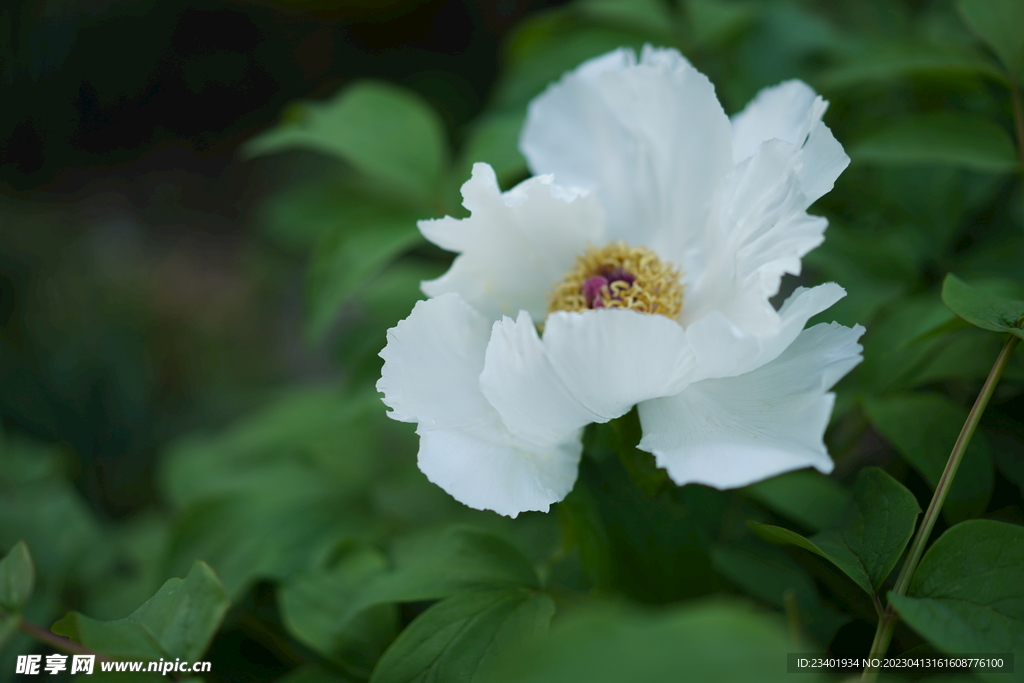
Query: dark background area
x,y
138,298
92,85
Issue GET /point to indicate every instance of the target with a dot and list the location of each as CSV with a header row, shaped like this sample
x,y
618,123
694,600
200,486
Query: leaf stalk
x,y
887,623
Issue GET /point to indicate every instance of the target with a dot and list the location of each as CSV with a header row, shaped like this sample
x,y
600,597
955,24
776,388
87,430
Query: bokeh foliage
x,y
305,531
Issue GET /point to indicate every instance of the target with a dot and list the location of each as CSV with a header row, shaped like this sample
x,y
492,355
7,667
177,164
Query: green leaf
x,y
968,592
715,22
961,353
179,621
426,565
17,578
326,198
311,673
763,571
923,427
1000,23
804,496
38,505
711,641
981,309
832,549
546,46
653,550
140,546
311,604
458,637
943,138
263,496
893,61
343,262
436,564
355,231
768,573
303,431
385,301
640,465
584,531
296,215
1008,451
919,341
386,132
494,139
246,539
649,17
875,267
100,676
8,626
870,538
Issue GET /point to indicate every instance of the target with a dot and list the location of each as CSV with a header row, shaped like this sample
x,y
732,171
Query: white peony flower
x,y
649,268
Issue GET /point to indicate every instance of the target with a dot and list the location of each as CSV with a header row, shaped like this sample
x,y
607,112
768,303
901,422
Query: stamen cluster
x,y
619,276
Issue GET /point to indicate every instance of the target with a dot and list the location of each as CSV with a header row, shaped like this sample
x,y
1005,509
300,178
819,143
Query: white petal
x,y
589,367
612,359
732,432
722,349
432,365
791,112
823,160
516,246
490,470
649,138
758,231
786,111
431,375
520,382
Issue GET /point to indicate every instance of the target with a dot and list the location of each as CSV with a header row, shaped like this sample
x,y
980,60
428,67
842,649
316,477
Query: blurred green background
x,y
198,266
140,296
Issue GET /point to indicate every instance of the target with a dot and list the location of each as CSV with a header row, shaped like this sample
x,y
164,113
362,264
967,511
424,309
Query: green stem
x,y
886,624
57,642
792,615
946,480
880,645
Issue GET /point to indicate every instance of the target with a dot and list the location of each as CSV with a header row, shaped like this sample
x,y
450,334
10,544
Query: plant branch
x,y
57,642
886,624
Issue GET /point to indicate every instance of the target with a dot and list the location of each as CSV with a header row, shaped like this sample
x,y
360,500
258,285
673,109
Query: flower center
x,y
619,276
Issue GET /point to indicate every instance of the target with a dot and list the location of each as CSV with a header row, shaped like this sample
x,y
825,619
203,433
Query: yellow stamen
x,y
636,279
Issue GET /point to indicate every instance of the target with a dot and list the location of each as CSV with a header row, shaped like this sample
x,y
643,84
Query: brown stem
x,y
57,642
